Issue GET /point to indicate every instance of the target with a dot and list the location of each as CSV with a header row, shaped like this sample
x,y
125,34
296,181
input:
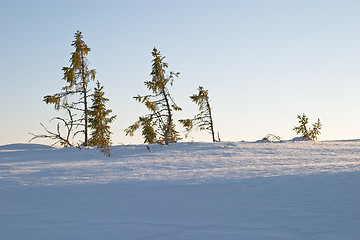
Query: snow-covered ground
x,y
226,190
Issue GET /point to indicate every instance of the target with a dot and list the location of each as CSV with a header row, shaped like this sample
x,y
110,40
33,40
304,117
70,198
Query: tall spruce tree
x,y
77,76
99,121
203,120
158,126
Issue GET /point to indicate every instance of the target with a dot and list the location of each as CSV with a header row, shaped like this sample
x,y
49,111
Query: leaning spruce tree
x,y
78,76
308,133
158,126
99,120
203,120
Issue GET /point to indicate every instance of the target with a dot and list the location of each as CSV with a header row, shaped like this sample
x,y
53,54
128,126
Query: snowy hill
x,y
226,190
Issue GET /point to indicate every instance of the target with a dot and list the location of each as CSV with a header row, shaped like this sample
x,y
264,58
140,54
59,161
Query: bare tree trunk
x,y
85,104
167,131
86,118
211,121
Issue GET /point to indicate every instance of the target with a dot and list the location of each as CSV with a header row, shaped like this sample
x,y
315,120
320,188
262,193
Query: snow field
x,y
290,190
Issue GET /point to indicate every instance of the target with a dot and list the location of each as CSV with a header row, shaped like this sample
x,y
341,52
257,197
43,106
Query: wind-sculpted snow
x,y
202,191
184,162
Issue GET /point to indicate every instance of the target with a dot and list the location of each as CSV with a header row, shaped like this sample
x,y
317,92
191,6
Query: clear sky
x,y
263,62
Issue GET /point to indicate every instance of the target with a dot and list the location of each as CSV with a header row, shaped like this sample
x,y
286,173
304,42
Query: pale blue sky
x,y
263,62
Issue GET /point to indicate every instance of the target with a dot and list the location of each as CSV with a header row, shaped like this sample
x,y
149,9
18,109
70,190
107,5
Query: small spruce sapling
x,y
308,133
203,120
99,121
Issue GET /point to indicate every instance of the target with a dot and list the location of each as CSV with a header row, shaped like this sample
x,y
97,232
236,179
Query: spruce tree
x,y
308,133
315,130
203,120
77,76
99,121
158,126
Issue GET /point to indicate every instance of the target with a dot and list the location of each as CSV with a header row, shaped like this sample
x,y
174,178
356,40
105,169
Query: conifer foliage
x,y
99,121
203,120
77,76
308,133
158,126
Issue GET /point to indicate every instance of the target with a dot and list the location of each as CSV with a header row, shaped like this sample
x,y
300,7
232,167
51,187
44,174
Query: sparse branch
x,y
64,141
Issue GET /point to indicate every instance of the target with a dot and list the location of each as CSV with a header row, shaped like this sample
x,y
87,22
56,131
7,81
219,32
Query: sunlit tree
x,y
308,133
74,96
99,120
157,126
203,120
